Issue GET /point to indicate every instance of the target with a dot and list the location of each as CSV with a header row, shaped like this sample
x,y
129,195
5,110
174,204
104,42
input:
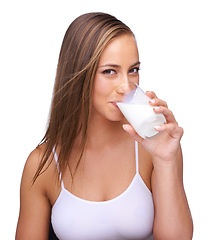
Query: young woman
x,y
92,176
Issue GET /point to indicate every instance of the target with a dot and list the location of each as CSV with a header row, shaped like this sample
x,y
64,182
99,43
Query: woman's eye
x,y
109,71
134,70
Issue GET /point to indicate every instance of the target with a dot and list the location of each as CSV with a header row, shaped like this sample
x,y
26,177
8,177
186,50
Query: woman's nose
x,y
126,92
124,88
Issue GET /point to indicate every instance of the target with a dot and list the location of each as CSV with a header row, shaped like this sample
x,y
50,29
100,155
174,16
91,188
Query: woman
x,y
89,177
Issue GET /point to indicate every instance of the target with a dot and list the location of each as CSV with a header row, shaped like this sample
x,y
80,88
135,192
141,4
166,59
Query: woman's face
x,y
119,63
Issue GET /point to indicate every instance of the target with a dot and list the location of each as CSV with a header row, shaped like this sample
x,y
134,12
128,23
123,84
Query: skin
x,y
107,169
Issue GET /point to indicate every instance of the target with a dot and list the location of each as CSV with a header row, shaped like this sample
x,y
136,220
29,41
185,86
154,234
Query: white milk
x,y
142,118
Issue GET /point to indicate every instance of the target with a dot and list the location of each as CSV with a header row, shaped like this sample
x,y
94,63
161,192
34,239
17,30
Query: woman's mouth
x,y
114,103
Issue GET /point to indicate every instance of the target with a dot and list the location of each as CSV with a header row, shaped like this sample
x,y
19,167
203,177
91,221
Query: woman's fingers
x,y
172,129
159,106
166,112
171,126
155,101
151,94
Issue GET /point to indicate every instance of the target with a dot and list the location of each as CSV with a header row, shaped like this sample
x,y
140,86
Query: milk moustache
x,y
142,118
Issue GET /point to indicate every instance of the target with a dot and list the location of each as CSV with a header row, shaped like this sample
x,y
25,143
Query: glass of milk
x,y
134,105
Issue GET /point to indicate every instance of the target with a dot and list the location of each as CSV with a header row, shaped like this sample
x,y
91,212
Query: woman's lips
x,y
114,103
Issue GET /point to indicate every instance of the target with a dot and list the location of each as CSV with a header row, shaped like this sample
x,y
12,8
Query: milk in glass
x,y
142,118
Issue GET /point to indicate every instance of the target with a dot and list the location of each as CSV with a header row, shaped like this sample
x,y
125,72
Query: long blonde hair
x,y
82,46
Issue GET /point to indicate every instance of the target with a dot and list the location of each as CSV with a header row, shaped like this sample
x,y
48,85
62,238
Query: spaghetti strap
x,y
57,163
137,156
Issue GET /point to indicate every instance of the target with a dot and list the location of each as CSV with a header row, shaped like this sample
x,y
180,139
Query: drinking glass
x,y
134,105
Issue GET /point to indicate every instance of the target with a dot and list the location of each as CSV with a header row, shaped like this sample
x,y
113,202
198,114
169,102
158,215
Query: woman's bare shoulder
x,y
35,156
34,159
145,166
31,166
34,203
145,157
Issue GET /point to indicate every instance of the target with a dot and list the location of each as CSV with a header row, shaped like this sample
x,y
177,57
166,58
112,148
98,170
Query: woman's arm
x,y
172,215
35,207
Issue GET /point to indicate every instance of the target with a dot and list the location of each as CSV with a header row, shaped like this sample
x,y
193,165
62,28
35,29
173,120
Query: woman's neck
x,y
102,132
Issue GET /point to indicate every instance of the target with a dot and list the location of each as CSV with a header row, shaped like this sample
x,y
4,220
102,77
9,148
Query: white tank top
x,y
127,216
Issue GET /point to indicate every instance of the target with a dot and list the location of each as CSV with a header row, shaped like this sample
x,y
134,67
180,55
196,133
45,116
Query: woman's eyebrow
x,y
111,65
118,66
135,64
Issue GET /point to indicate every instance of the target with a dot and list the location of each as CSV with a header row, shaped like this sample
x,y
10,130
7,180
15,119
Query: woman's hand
x,y
167,176
165,146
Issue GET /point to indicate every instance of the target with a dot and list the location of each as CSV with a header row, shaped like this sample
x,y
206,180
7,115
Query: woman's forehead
x,y
120,49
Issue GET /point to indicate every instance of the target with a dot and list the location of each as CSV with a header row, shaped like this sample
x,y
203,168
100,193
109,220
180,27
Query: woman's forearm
x,y
172,216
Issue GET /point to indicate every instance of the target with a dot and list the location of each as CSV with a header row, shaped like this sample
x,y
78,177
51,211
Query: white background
x,y
173,44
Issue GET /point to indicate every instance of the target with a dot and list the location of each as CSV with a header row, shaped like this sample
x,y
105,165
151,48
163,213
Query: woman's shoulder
x,y
145,166
144,155
31,166
34,159
34,202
